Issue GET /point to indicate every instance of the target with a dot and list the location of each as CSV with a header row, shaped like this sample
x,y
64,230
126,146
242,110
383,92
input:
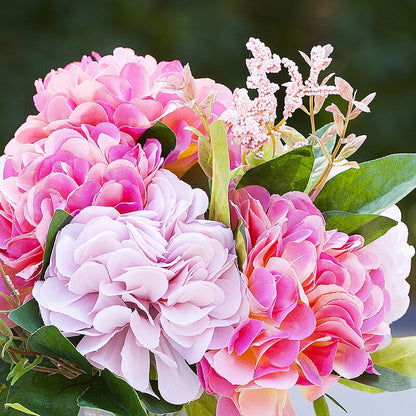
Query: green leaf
x,y
205,156
374,187
369,226
112,394
206,405
289,172
59,220
219,209
161,132
336,402
20,408
48,394
240,243
317,151
27,316
321,407
388,380
358,386
158,406
400,356
49,341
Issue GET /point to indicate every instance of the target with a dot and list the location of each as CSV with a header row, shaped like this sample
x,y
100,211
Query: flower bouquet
x,y
126,288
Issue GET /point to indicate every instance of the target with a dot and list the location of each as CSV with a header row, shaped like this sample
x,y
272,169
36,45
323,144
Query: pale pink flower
x,y
157,286
393,254
317,303
70,170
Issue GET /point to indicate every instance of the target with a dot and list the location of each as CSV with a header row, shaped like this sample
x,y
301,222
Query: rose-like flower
x,y
317,303
70,170
155,287
132,92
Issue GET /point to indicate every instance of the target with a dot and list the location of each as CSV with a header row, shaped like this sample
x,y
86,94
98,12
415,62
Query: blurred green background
x,y
374,41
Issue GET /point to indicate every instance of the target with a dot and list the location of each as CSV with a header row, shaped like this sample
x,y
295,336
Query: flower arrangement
x,y
125,289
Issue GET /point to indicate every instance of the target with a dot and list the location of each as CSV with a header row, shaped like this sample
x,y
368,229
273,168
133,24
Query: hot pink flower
x,y
158,285
317,303
132,92
71,169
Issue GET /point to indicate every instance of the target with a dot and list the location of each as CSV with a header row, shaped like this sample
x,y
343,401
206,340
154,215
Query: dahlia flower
x,y
70,169
155,287
132,92
318,302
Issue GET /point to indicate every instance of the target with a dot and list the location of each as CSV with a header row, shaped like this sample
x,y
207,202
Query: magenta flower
x,y
155,287
317,303
132,92
71,169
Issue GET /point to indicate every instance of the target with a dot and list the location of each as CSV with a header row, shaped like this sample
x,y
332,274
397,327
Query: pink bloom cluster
x,y
318,304
247,117
296,89
155,287
80,149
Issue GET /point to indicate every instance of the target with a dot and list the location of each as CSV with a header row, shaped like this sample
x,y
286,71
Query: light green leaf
x,y
48,340
27,316
321,407
5,330
336,402
388,380
369,226
374,187
358,386
205,156
400,356
161,132
112,394
289,172
59,220
240,243
21,408
219,209
206,405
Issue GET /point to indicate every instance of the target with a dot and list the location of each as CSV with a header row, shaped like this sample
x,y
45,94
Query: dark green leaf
x,y
161,132
27,316
374,187
321,407
336,402
59,220
289,172
47,394
218,208
369,226
206,405
158,406
49,341
388,380
112,394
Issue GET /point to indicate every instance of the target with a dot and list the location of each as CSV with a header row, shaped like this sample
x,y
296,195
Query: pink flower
x,y
317,303
132,92
70,169
159,286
